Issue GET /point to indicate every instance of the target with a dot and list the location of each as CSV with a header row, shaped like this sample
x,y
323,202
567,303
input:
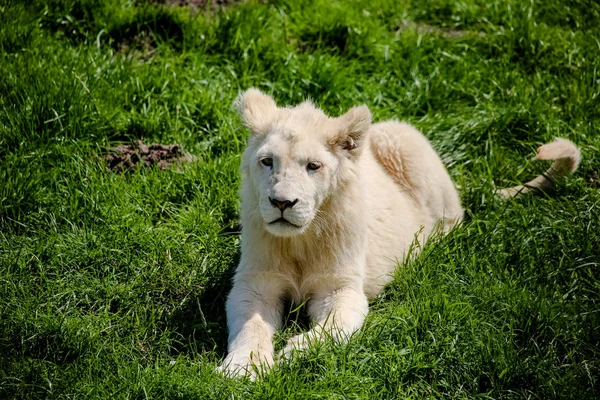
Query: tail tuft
x,y
566,158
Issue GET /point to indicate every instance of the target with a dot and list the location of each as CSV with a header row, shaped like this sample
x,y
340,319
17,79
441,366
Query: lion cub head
x,y
296,160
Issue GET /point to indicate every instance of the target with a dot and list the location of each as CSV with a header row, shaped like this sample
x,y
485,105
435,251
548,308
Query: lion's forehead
x,y
294,146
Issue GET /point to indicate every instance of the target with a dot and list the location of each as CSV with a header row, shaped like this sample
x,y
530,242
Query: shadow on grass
x,y
200,325
149,27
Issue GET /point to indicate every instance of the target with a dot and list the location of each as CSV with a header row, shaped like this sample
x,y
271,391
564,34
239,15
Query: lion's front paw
x,y
295,343
236,365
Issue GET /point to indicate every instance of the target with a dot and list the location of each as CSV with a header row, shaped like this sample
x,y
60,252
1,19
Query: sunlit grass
x,y
113,285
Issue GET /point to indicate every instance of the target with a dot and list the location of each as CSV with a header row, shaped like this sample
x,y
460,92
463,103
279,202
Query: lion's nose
x,y
283,204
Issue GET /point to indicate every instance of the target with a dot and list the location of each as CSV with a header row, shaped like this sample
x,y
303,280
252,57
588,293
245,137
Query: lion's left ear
x,y
257,109
353,128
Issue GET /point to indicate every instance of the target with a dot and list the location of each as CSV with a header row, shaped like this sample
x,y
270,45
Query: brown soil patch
x,y
426,28
196,3
143,42
130,156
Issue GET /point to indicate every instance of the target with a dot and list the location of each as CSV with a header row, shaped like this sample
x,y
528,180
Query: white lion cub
x,y
329,207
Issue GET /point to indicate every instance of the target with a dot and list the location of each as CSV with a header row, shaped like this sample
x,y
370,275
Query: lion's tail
x,y
566,158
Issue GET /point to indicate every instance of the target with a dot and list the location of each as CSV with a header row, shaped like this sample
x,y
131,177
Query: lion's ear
x,y
257,109
353,128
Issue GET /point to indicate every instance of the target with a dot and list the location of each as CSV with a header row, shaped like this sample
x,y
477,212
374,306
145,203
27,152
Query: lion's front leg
x,y
254,310
337,313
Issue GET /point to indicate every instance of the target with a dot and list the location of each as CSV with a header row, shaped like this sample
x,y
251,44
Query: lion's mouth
x,y
282,220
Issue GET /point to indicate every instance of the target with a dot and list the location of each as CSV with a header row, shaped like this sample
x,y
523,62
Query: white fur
x,y
380,187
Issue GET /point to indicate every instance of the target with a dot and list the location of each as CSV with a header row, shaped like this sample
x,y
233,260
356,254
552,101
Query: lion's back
x,y
408,192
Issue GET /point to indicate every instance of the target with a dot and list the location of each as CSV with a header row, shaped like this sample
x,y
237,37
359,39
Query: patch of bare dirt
x,y
130,156
426,28
196,3
142,44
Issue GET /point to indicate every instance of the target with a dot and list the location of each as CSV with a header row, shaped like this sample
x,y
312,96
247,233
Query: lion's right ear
x,y
257,109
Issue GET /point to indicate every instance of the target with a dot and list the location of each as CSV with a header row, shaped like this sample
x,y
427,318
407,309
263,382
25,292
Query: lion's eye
x,y
313,165
267,162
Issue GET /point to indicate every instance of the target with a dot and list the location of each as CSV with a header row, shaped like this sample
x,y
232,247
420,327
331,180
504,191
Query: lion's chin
x,y
284,228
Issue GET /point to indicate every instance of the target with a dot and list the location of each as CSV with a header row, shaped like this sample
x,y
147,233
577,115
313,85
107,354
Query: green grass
x,y
113,285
